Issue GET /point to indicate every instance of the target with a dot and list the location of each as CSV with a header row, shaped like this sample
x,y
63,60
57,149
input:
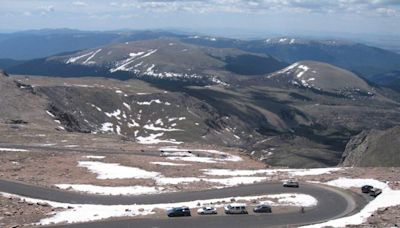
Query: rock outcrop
x,y
374,148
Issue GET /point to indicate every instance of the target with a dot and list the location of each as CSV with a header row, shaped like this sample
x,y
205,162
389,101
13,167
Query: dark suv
x,y
262,208
178,212
366,188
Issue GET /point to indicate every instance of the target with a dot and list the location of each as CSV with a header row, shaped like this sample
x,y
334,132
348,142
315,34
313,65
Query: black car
x,y
291,184
178,212
262,208
366,188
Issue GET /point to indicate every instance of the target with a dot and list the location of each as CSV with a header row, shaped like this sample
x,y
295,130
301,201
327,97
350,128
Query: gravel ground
x,y
17,213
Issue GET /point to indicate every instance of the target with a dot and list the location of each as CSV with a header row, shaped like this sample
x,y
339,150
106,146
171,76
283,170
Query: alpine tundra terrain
x,y
130,128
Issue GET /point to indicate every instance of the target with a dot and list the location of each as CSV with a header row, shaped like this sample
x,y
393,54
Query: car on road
x,y
178,212
263,208
235,208
375,192
207,211
366,188
291,184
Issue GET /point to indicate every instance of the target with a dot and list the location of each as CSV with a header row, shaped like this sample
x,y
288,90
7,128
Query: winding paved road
x,y
332,203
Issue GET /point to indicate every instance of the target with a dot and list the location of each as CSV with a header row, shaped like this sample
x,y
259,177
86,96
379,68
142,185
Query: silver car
x,y
207,211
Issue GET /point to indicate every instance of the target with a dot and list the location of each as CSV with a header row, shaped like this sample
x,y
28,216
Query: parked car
x,y
366,188
375,192
291,184
207,211
178,212
263,208
235,208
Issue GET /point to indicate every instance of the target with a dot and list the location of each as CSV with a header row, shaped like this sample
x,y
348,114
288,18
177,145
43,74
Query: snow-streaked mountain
x,y
323,77
159,59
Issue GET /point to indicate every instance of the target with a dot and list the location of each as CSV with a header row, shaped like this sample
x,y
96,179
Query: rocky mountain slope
x,y
374,148
17,102
160,59
275,118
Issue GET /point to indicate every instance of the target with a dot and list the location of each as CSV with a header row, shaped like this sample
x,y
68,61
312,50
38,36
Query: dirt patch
x,y
15,212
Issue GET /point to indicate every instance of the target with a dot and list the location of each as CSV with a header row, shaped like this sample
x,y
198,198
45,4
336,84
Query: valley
x,y
117,133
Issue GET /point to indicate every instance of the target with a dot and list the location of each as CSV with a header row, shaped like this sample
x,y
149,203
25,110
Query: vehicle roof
x,y
237,204
263,204
175,208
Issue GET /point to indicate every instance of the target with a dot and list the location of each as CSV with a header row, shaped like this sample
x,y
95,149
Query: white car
x,y
207,211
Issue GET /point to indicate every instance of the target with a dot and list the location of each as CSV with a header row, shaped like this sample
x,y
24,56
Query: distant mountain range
x,y
360,59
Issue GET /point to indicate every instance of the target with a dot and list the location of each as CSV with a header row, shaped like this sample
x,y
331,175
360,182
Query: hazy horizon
x,y
231,17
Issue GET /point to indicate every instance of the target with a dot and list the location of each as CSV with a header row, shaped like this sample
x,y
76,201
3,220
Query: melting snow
x,y
74,59
50,114
116,171
115,114
12,150
133,124
94,106
291,172
153,139
292,199
153,128
184,155
122,65
94,157
107,127
127,106
281,40
303,69
87,61
157,101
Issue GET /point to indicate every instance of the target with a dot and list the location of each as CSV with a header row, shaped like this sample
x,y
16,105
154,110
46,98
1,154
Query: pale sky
x,y
263,16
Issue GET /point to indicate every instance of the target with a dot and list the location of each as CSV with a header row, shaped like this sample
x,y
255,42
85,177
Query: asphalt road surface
x,y
332,203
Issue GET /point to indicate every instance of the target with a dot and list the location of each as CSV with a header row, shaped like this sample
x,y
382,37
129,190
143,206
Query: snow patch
x,y
157,101
290,172
153,139
94,157
12,150
116,171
